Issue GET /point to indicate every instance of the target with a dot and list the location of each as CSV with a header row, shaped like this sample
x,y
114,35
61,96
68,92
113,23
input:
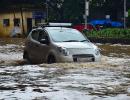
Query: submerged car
x,y
53,44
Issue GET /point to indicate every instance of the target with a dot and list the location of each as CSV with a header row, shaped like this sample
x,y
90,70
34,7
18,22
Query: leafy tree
x,y
69,10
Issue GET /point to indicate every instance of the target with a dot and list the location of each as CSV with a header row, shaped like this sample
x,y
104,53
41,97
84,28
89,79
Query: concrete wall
x,y
6,30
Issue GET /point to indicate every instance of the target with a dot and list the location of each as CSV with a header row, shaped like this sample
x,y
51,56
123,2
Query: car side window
x,y
35,35
42,35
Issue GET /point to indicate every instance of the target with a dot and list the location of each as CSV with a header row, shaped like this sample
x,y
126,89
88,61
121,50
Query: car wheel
x,y
93,59
51,59
26,57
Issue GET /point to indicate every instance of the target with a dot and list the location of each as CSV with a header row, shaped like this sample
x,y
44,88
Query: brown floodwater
x,y
105,80
115,50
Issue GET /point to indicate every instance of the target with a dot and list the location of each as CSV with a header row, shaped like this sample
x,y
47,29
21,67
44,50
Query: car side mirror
x,y
44,41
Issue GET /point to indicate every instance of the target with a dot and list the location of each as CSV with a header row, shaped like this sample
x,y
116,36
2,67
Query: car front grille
x,y
74,51
83,56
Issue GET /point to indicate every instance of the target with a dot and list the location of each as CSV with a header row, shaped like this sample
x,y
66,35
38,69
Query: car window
x,y
35,34
42,35
65,35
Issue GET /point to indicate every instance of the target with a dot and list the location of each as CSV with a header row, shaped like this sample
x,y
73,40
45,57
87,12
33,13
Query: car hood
x,y
76,45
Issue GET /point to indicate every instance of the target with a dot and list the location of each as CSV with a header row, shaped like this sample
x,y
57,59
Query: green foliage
x,y
69,10
109,33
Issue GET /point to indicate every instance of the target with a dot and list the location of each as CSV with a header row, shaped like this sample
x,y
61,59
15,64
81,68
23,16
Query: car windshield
x,y
67,35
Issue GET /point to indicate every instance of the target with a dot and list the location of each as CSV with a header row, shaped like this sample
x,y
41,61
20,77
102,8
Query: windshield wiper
x,y
84,40
71,41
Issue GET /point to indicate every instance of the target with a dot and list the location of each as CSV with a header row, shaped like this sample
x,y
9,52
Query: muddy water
x,y
105,80
115,50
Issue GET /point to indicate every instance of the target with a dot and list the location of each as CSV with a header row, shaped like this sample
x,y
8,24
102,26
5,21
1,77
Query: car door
x,y
44,48
33,46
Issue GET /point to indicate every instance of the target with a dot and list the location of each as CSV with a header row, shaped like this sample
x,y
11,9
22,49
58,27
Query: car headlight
x,y
97,52
63,50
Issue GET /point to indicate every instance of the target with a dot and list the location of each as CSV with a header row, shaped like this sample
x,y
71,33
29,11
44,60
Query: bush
x,y
109,33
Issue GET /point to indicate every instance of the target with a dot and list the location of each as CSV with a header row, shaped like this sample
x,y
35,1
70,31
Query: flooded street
x,y
105,80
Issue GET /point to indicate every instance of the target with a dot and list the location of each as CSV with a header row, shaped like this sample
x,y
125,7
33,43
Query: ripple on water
x,y
106,80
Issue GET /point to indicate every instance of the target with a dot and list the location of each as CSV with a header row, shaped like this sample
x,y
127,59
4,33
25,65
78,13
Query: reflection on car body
x,y
59,44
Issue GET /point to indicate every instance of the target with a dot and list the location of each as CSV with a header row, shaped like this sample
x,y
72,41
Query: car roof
x,y
53,28
56,28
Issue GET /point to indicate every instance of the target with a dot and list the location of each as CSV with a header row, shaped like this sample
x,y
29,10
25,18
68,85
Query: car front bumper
x,y
71,58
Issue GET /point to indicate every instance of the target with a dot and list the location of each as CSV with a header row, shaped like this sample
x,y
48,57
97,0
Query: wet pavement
x,y
105,80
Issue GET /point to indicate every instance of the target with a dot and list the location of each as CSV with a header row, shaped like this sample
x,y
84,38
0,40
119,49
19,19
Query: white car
x,y
52,44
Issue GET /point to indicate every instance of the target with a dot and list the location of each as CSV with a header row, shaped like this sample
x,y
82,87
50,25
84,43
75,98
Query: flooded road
x,y
105,80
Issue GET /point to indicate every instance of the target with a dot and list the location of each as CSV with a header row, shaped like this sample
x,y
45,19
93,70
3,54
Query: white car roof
x,y
58,28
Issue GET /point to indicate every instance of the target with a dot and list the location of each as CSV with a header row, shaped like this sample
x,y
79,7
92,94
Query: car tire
x,y
51,59
93,59
26,57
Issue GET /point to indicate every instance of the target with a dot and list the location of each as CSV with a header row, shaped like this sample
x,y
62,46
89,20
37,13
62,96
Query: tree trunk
x,y
22,21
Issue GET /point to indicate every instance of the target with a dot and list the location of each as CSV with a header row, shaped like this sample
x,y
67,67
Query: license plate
x,y
84,59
